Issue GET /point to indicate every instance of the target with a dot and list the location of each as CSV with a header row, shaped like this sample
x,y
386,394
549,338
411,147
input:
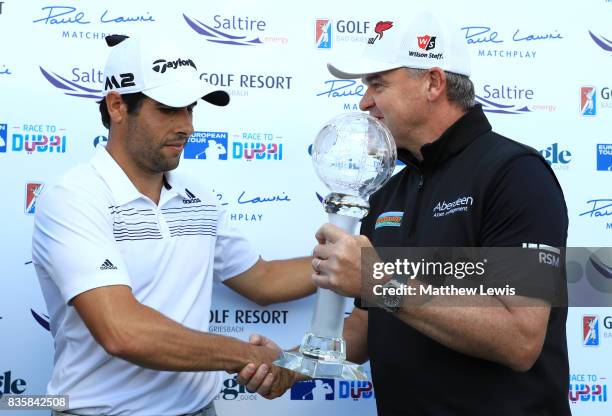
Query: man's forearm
x,y
153,341
355,334
289,279
483,327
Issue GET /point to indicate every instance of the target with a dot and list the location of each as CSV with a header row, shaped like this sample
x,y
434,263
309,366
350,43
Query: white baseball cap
x,y
158,69
424,43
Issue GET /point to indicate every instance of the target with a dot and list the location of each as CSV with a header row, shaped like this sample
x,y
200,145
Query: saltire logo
x,y
602,42
601,267
33,191
43,320
588,101
213,35
493,107
426,42
389,219
323,33
69,87
590,330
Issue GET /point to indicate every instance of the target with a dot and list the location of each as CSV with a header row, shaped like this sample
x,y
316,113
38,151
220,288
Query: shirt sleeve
x,y
233,252
73,242
525,221
524,205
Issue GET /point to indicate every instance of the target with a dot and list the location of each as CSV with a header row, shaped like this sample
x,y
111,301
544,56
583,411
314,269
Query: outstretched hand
x,y
269,381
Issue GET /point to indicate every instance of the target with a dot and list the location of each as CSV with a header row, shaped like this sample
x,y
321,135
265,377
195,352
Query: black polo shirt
x,y
508,196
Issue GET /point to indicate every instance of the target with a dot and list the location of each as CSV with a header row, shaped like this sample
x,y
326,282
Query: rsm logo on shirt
x,y
461,204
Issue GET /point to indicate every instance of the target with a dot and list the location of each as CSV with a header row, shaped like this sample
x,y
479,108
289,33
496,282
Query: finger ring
x,y
316,265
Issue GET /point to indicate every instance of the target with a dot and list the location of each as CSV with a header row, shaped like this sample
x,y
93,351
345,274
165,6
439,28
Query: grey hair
x,y
459,88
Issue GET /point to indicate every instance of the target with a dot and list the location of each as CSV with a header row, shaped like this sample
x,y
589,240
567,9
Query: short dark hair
x,y
133,102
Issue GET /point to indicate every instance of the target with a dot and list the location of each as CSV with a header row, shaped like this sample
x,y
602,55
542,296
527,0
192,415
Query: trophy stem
x,y
328,317
323,350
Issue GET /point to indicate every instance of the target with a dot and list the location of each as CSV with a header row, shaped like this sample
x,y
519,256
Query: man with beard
x,y
126,253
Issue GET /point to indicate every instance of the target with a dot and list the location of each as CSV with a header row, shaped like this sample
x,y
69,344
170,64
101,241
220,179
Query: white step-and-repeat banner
x,y
542,71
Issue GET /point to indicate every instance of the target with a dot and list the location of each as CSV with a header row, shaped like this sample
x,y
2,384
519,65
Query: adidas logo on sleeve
x,y
107,265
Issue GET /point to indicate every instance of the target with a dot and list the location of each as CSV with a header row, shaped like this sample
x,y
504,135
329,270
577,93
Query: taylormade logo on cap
x,y
135,65
161,64
420,41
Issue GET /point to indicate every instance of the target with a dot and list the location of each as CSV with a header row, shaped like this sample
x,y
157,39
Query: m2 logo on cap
x,y
161,65
389,219
126,80
379,29
426,42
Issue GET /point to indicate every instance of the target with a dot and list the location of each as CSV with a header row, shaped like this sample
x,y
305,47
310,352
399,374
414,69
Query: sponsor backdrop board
x,y
541,71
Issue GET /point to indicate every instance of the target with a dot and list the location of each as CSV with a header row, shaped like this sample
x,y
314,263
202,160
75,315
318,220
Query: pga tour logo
x,y
316,389
590,331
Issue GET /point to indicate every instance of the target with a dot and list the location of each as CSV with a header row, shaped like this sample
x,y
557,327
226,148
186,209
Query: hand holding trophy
x,y
354,155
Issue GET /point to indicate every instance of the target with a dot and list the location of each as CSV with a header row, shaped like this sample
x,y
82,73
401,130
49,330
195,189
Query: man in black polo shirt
x,y
496,358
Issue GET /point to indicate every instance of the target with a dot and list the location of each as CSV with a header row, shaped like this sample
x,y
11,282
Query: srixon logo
x,y
161,65
10,386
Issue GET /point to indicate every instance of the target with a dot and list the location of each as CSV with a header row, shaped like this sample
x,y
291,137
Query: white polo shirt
x,y
95,229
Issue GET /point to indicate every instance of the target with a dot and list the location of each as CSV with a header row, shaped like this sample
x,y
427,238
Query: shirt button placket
x,y
161,223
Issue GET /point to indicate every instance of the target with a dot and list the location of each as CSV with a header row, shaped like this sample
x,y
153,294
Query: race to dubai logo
x,y
379,29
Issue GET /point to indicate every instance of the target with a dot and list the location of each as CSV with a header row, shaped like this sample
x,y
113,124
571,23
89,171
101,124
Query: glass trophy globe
x,y
354,154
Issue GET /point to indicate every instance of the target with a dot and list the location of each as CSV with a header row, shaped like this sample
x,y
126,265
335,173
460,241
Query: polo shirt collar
x,y
457,137
121,186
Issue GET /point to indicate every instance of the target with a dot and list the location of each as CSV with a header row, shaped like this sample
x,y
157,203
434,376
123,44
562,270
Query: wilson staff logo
x,y
426,42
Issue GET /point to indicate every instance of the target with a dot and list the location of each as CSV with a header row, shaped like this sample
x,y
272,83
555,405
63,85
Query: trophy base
x,y
312,367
